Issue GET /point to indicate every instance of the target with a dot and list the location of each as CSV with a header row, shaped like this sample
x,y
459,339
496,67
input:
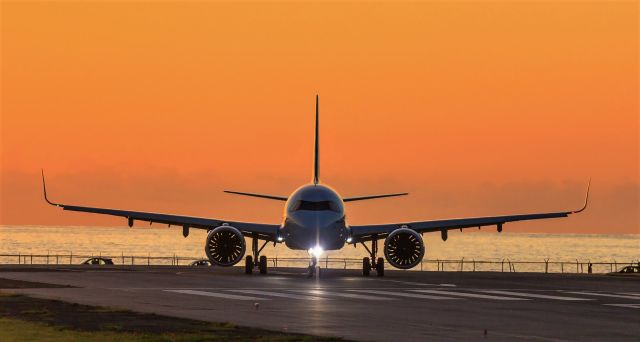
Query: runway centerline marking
x,y
341,294
605,295
469,295
216,294
278,294
402,294
533,295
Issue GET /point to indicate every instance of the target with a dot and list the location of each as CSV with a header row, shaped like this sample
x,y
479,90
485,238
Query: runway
x,y
402,306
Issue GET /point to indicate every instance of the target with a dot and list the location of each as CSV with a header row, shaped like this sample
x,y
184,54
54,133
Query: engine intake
x,y
404,248
225,246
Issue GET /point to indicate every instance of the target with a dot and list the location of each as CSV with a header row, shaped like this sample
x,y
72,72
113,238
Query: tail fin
x,y
316,152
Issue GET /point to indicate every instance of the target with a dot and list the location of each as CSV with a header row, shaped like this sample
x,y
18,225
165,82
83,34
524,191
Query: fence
x,y
461,265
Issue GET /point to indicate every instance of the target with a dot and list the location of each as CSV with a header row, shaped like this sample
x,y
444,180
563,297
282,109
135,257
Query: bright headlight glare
x,y
316,251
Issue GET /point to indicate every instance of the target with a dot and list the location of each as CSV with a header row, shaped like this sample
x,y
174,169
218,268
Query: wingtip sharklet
x,y
44,189
586,200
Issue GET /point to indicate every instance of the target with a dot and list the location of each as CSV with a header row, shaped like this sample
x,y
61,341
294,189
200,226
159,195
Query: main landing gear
x,y
256,260
371,263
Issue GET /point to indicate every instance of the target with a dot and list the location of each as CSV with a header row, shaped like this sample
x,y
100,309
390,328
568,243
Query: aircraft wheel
x,y
248,264
380,267
262,265
366,266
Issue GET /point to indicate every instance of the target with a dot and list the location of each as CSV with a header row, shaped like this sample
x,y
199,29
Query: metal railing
x,y
460,265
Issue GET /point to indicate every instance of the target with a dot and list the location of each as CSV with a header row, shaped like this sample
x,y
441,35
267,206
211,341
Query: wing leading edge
x,y
367,232
264,231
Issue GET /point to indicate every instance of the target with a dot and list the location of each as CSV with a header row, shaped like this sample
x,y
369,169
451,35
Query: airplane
x,y
314,220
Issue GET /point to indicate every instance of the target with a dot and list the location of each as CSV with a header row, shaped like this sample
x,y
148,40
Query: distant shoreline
x,y
164,227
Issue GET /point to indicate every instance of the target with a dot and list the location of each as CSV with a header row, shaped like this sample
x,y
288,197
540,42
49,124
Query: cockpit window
x,y
315,206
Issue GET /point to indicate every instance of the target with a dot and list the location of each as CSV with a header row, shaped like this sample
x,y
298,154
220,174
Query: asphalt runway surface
x,y
402,306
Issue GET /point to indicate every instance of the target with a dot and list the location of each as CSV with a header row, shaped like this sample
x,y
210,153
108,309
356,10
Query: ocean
x,y
469,246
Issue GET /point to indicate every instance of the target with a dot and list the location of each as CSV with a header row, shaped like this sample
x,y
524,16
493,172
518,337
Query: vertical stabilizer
x,y
316,152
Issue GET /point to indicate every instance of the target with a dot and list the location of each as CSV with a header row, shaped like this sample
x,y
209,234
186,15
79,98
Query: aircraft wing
x,y
264,231
368,232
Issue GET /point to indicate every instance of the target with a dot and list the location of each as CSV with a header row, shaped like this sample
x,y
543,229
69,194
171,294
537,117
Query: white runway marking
x,y
216,294
631,306
402,294
278,294
470,295
342,294
605,295
629,293
419,284
532,295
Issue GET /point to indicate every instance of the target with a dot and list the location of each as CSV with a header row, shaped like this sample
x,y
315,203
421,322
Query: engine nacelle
x,y
225,246
404,248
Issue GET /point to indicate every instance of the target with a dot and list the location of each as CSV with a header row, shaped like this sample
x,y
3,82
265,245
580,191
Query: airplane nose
x,y
311,231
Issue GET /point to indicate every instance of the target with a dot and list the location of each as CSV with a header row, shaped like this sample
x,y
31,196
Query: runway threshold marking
x,y
342,294
469,295
402,294
605,295
216,294
533,295
631,306
278,294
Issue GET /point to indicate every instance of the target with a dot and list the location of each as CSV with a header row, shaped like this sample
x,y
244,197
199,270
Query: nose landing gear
x,y
370,263
314,269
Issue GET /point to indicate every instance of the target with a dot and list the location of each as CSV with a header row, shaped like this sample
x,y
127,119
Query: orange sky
x,y
475,108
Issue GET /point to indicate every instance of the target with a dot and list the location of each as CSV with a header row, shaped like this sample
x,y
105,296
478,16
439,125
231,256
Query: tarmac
x,y
402,306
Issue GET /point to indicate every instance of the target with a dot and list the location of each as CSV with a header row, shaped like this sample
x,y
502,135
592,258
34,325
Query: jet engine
x,y
404,248
225,246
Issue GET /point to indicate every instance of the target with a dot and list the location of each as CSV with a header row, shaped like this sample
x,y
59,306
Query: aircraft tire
x,y
248,264
380,267
262,265
366,266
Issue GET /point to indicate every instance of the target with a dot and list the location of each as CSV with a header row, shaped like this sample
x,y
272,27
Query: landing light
x,y
316,251
349,239
280,238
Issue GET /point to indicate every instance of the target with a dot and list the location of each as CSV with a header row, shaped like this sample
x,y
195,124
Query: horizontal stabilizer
x,y
362,198
277,198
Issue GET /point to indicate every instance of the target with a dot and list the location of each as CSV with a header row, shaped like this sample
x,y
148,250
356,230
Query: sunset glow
x,y
473,108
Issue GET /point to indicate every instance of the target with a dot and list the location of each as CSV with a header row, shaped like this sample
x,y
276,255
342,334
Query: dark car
x,y
630,269
98,261
201,262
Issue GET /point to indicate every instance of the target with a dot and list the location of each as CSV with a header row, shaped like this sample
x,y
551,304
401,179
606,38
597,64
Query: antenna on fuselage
x,y
316,151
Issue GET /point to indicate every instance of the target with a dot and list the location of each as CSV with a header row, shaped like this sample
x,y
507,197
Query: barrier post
x,y
546,265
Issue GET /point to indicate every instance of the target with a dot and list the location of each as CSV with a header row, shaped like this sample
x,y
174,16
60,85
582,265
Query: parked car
x,y
201,262
630,269
98,261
